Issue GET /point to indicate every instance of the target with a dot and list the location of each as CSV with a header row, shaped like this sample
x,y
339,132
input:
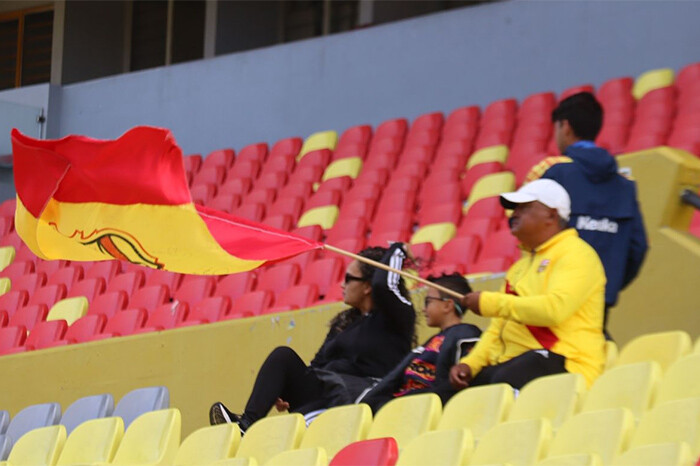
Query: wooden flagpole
x,y
407,275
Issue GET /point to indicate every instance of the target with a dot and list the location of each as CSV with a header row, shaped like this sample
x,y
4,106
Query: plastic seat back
x,y
477,409
491,185
324,273
272,435
83,329
668,454
673,421
33,417
208,444
69,309
7,255
445,447
406,417
29,316
152,438
87,408
194,291
338,427
517,443
252,303
605,433
438,234
297,297
306,456
93,441
323,216
45,333
12,337
378,452
663,347
4,420
38,446
150,297
682,380
278,277
140,401
236,285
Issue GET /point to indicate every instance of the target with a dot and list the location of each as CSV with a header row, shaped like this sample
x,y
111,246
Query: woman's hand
x,y
281,405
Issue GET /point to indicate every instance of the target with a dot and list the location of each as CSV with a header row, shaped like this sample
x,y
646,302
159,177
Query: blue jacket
x,y
605,212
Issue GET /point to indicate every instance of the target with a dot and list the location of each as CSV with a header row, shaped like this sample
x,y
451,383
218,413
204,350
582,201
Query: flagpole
x,y
407,275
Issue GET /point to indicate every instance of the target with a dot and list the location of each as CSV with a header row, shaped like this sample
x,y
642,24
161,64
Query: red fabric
x,y
543,335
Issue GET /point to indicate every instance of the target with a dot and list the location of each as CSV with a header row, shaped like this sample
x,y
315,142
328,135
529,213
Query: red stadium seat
x,y
209,176
225,202
202,193
83,329
278,277
150,297
391,128
396,202
289,146
375,452
429,138
11,337
91,288
305,176
575,90
303,259
13,300
340,183
453,153
493,265
313,232
66,276
324,273
207,311
360,134
263,196
349,150
316,160
320,199
193,163
3,318
384,237
428,121
379,161
44,334
274,181
536,105
104,269
196,289
246,169
500,244
237,186
462,125
29,316
29,282
49,267
281,222
236,285
354,227
17,269
254,211
479,227
275,164
8,207
296,297
400,220
445,212
108,304
165,317
435,194
251,303
353,245
287,206
488,207
163,277
122,324
219,158
461,250
423,253
256,152
48,295
129,282
358,208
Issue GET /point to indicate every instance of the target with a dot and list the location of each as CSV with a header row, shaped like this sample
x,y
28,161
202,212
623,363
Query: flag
x,y
83,199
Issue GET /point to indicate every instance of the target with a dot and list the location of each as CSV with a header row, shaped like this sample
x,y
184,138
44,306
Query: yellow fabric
x,y
652,79
69,309
490,185
438,234
93,441
539,169
350,166
317,141
338,427
559,286
446,448
663,347
209,444
477,408
488,154
52,236
7,255
38,446
324,216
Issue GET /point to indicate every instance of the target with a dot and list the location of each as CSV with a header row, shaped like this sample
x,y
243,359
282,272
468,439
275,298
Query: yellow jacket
x,y
553,298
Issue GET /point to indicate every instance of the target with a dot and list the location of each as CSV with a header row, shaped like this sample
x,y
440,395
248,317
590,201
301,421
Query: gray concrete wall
x,y
437,62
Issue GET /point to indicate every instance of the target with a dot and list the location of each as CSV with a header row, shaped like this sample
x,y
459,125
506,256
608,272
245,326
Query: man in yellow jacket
x,y
548,318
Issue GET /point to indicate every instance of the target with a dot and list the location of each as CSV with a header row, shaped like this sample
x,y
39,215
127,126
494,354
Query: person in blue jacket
x,y
604,207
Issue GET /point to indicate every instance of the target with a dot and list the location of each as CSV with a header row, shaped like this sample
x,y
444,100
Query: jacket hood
x,y
597,163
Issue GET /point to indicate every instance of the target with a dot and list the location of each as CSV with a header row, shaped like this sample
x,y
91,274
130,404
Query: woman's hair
x,y
345,318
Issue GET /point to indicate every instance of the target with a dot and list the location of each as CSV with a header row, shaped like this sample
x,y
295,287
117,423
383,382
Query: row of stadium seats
x,y
553,419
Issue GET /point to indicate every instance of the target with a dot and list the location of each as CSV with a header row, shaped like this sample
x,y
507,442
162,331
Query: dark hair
x,y
454,282
584,114
344,318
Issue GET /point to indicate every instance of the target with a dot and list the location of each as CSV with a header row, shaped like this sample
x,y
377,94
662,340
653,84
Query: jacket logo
x,y
604,225
543,265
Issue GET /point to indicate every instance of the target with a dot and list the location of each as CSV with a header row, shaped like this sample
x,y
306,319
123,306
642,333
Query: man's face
x,y
528,221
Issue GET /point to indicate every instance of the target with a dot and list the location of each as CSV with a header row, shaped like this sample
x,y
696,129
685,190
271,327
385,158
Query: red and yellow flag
x,y
84,199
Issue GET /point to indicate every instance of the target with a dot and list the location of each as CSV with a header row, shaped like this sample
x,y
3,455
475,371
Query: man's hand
x,y
460,376
281,405
471,301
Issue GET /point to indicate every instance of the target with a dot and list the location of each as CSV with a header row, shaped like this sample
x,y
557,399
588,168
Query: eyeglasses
x,y
426,302
350,278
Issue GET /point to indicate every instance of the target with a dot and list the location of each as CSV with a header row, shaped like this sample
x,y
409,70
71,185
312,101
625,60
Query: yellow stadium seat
x,y
632,386
317,141
605,433
324,216
477,409
437,233
696,349
572,460
611,354
39,446
69,309
682,380
93,441
338,427
236,462
209,444
270,436
151,439
491,185
5,285
302,457
664,348
554,397
349,166
445,447
667,454
7,255
488,154
673,421
652,79
516,443
406,417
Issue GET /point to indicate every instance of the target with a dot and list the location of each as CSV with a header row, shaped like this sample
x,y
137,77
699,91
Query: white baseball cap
x,y
548,192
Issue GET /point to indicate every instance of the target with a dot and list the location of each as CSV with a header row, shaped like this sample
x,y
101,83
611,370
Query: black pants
x,y
282,375
521,369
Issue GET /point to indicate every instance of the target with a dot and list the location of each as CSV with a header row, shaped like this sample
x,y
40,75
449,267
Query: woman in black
x,y
364,343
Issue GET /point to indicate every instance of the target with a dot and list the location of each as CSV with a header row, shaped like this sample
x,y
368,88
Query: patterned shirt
x,y
420,373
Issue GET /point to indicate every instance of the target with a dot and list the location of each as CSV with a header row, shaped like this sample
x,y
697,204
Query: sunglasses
x,y
351,278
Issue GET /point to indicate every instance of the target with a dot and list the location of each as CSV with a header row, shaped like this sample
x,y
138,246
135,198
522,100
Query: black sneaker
x,y
219,414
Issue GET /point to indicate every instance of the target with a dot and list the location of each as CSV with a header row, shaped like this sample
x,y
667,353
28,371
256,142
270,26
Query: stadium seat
x,y
3,318
123,323
203,193
47,295
491,154
104,269
673,421
7,255
353,227
28,316
13,300
459,250
669,454
236,285
29,282
324,273
350,166
554,397
256,151
165,317
632,386
152,438
283,164
17,269
195,290
449,212
236,186
278,277
4,420
682,380
247,169
481,228
296,297
338,427
128,282
89,288
224,202
500,244
149,297
163,277
264,196
272,435
83,329
140,401
324,217
251,303
438,234
44,334
324,198
30,418
360,134
86,409
206,311
69,309
208,444
446,447
193,163
254,211
652,79
477,409
39,446
93,441
317,159
490,185
5,285
664,347
407,417
224,158
317,141
377,452
576,90
109,304
605,433
515,442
